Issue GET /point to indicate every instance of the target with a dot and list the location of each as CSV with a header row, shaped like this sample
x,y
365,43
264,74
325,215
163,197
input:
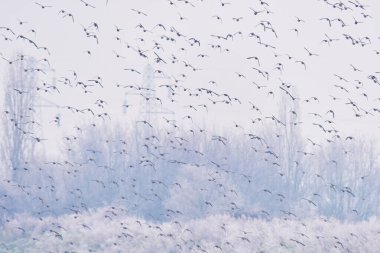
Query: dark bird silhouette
x,y
43,6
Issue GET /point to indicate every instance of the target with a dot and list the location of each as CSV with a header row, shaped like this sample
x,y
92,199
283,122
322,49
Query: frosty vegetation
x,y
178,183
112,229
197,178
190,190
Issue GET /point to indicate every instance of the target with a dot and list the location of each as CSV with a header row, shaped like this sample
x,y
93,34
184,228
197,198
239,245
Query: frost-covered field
x,y
113,230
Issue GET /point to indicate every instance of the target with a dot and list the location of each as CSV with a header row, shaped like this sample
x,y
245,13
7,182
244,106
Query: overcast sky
x,y
67,42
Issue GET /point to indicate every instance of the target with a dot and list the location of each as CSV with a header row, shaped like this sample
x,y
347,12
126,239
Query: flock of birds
x,y
246,47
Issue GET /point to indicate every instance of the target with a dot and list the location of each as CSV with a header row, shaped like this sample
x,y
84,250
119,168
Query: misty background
x,y
168,115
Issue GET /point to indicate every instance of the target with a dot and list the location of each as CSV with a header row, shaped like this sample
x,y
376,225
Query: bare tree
x,y
17,119
285,141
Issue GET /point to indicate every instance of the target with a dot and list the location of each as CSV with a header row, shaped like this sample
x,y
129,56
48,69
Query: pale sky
x,y
67,43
